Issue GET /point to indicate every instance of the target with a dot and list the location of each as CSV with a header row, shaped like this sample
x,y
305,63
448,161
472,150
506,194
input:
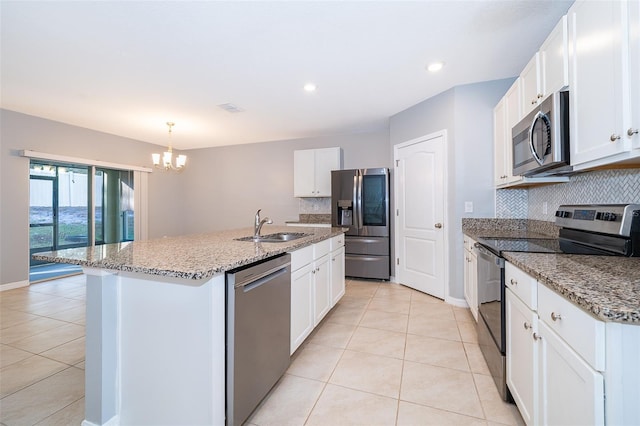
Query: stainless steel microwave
x,y
541,139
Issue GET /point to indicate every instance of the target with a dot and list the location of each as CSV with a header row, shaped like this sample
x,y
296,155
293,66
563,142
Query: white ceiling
x,y
128,67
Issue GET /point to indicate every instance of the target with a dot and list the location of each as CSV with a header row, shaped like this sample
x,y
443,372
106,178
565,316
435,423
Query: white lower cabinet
x,y
316,286
522,356
322,288
552,355
571,391
337,273
471,276
301,296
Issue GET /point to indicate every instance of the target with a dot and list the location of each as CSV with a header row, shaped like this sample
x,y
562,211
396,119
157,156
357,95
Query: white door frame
x,y
445,186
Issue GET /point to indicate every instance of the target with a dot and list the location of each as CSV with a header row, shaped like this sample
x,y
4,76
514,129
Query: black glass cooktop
x,y
526,245
551,245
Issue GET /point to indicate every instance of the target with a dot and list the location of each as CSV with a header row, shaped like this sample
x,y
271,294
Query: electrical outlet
x,y
545,208
468,206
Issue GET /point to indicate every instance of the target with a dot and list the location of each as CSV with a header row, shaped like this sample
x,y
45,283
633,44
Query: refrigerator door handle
x,y
359,222
354,194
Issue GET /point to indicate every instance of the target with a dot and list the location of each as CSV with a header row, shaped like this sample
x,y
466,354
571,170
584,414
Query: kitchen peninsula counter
x,y
156,323
193,257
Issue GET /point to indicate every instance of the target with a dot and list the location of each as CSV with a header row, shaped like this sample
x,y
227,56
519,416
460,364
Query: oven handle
x,y
484,252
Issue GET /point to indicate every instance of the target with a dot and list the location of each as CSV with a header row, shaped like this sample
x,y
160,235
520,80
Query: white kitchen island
x,y
155,324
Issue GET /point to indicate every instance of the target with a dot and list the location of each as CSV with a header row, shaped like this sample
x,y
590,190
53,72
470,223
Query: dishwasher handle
x,y
247,274
250,285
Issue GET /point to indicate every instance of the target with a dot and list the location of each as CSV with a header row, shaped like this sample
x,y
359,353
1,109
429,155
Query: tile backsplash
x,y
315,205
599,187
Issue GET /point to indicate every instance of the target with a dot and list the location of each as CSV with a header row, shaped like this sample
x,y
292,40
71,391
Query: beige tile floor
x,y
388,355
385,355
42,353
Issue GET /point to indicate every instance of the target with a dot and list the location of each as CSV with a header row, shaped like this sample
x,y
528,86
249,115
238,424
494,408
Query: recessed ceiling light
x,y
435,66
310,87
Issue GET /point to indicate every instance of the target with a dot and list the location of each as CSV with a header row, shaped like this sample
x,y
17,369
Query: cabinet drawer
x,y
321,248
301,257
581,331
337,242
522,284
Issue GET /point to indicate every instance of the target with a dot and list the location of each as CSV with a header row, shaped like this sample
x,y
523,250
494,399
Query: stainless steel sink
x,y
278,237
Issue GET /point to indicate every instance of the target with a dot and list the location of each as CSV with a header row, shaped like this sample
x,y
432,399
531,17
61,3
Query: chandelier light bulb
x,y
167,156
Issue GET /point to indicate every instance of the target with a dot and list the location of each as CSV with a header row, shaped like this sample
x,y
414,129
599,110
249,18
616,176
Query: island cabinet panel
x,y
157,347
301,309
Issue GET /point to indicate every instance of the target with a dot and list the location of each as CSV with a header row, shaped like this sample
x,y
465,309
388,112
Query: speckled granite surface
x,y
606,286
197,256
508,228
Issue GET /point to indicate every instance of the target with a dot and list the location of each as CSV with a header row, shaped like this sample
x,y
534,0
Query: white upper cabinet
x,y
548,70
312,171
505,115
531,85
603,62
634,70
554,59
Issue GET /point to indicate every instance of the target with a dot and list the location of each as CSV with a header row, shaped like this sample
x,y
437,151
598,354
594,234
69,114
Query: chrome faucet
x,y
258,224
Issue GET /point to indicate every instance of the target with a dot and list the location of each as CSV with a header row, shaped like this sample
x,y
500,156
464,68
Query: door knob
x,y
632,132
614,137
438,225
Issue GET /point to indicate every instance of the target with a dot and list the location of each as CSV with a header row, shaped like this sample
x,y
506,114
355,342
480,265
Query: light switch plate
x,y
468,206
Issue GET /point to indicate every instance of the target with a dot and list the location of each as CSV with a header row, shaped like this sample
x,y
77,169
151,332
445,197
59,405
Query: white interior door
x,y
420,190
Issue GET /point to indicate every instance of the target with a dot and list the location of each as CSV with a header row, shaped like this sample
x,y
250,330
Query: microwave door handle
x,y
539,116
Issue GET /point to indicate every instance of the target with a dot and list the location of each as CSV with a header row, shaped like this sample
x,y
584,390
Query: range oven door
x,y
491,294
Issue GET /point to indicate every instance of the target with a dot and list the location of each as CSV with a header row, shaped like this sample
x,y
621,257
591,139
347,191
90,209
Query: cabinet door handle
x,y
536,336
555,317
438,225
632,132
614,137
514,282
533,102
540,95
526,325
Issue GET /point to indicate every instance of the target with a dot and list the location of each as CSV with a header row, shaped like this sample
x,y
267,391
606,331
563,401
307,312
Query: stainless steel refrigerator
x,y
360,202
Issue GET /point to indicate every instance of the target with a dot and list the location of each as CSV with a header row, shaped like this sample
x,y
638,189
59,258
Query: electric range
x,y
606,230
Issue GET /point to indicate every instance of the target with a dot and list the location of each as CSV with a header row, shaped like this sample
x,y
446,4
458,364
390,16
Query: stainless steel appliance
x,y
605,230
541,139
258,329
360,202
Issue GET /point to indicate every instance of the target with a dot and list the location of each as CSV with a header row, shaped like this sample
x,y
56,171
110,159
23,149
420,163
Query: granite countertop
x,y
608,287
197,256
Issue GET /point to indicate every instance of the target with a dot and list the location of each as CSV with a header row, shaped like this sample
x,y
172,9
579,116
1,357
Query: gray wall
x,y
19,132
220,189
466,112
224,186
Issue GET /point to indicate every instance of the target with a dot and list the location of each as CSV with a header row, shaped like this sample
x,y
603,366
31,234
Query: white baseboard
x,y
11,286
456,302
113,421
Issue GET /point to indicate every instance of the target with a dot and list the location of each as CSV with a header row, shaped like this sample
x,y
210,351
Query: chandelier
x,y
167,157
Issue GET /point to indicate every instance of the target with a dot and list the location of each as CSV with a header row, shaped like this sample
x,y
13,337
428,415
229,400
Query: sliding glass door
x,y
114,209
58,207
78,206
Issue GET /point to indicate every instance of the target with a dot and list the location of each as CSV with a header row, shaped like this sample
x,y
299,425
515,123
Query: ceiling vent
x,y
229,107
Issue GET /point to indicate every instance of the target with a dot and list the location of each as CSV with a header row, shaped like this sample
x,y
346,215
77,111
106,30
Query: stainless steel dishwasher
x,y
258,329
